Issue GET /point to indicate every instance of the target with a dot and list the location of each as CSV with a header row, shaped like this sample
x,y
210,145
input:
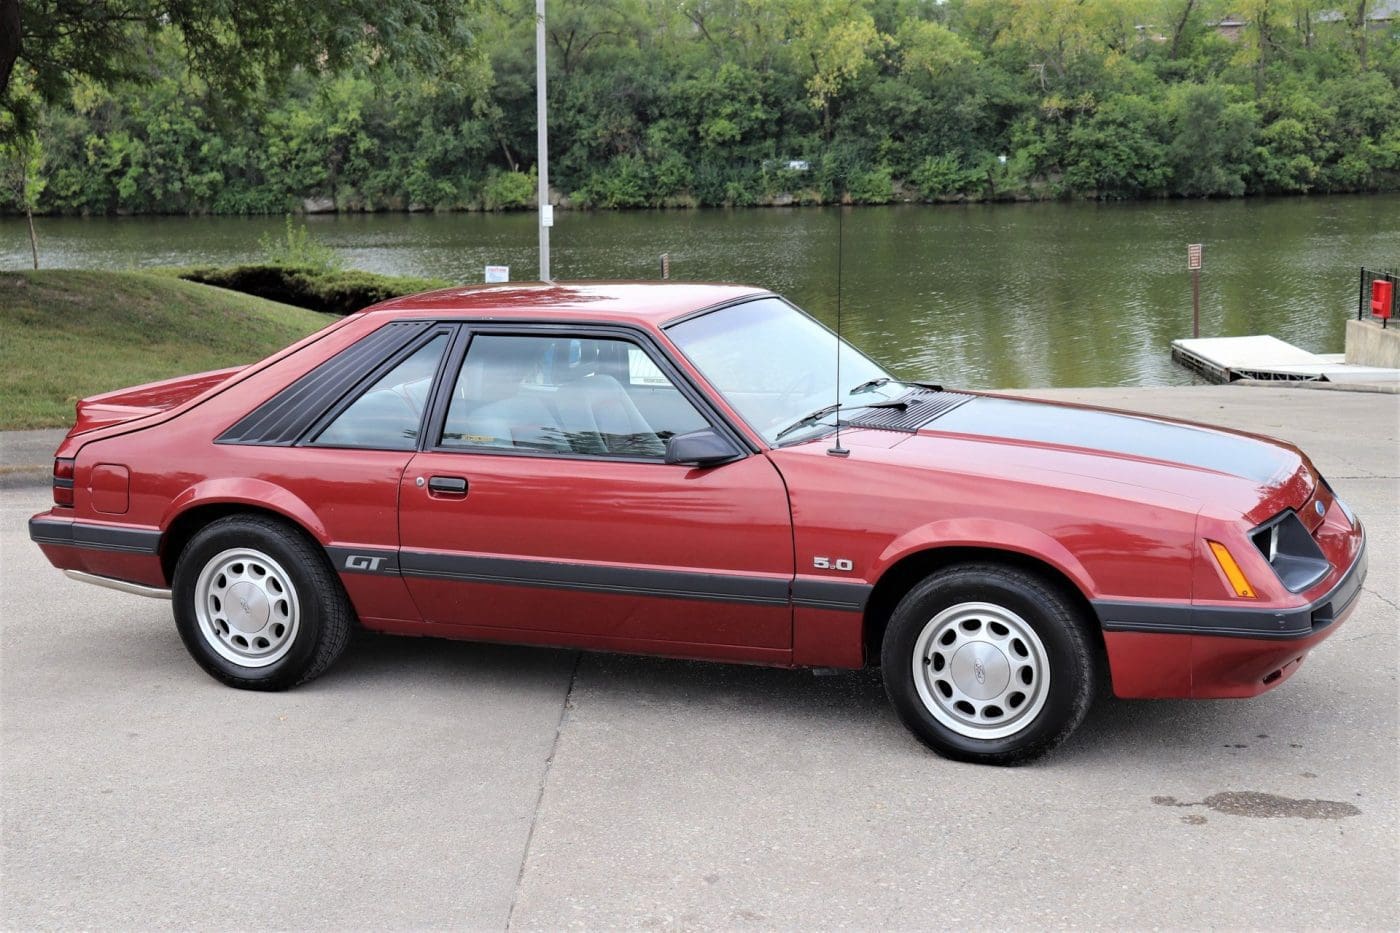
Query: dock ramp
x,y
1225,359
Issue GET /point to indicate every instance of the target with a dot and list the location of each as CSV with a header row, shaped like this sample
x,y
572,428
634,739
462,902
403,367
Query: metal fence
x,y
1363,298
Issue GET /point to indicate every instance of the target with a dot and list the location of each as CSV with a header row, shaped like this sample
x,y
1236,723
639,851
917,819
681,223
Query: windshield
x,y
777,367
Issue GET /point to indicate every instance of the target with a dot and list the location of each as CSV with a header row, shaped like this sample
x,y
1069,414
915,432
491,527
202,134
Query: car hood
x,y
1020,437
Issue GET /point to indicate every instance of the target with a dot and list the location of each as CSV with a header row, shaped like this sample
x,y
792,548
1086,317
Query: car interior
x,y
600,397
585,396
388,414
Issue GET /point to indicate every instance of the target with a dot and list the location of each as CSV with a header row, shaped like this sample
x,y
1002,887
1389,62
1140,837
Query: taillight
x,y
63,482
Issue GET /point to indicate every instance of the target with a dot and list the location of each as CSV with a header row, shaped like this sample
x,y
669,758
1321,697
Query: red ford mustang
x,y
665,469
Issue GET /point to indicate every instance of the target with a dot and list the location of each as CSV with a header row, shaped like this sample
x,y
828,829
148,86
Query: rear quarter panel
x,y
340,497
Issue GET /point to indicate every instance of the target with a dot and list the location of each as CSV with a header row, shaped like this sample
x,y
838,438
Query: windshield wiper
x,y
809,420
886,380
813,418
871,384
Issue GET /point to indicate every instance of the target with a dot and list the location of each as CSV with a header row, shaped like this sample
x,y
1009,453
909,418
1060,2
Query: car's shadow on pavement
x,y
850,704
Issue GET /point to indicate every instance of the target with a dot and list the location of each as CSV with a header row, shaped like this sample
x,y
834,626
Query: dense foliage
x,y
736,102
240,45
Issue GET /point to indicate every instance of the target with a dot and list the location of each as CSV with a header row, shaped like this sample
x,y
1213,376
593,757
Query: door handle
x,y
447,486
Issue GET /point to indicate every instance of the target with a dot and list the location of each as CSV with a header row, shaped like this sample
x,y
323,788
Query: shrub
x,y
297,248
944,175
335,292
876,187
509,191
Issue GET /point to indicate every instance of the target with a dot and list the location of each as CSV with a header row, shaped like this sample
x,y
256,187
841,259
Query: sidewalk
x,y
26,457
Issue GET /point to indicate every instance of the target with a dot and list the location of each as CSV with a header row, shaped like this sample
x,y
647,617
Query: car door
x,y
543,510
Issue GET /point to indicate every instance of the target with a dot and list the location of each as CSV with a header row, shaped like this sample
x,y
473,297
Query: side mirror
x,y
703,448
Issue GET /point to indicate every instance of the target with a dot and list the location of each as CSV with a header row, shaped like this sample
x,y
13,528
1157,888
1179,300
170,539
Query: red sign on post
x,y
1193,256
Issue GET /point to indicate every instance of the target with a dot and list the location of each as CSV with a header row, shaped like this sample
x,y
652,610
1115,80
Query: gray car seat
x,y
601,418
491,407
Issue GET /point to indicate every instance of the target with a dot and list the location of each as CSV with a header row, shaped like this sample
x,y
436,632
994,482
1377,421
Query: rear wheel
x,y
988,664
256,605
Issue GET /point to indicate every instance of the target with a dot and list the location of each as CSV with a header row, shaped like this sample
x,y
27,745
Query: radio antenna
x,y
837,450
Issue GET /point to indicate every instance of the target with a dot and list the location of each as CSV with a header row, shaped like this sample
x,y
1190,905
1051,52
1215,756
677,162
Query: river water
x,y
1003,295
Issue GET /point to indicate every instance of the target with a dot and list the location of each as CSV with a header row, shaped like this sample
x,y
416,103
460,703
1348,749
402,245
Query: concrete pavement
x,y
431,784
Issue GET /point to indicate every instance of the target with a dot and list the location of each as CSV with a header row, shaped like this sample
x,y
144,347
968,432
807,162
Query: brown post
x,y
1193,262
1195,302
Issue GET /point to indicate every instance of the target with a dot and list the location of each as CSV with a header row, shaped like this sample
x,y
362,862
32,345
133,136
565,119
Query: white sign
x,y
496,274
547,215
1193,256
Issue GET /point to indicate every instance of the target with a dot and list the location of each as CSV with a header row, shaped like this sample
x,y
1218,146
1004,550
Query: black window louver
x,y
284,418
920,409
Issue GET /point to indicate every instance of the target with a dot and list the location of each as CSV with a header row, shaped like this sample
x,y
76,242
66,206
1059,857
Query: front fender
x,y
256,493
986,533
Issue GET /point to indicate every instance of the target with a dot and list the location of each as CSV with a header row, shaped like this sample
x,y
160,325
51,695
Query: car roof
x,y
654,303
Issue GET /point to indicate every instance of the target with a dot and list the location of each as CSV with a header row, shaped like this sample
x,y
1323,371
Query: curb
x,y
1375,388
25,477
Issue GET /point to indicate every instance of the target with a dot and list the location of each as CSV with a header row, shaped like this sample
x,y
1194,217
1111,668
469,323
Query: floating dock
x,y
1226,359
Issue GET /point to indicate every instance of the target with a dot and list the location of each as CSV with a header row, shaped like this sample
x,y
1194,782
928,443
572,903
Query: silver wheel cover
x,y
981,670
246,607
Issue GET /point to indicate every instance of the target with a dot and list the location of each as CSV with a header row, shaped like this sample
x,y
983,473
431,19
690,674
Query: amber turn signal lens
x,y
1232,570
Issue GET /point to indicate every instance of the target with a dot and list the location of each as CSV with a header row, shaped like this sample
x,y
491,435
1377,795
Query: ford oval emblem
x,y
1319,508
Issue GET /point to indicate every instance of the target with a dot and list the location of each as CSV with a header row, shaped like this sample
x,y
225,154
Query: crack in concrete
x,y
1377,594
539,796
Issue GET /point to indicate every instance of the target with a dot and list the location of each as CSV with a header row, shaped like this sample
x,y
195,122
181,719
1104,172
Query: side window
x,y
388,414
598,396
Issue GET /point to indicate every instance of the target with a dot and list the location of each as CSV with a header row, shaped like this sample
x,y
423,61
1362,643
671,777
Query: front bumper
x,y
1159,650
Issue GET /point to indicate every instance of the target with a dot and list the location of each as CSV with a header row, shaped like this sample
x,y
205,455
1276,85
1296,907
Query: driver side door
x,y
544,512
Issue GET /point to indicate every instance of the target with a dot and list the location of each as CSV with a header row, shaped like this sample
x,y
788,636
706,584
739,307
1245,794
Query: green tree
x,y
832,42
700,102
1120,151
1210,150
235,44
21,174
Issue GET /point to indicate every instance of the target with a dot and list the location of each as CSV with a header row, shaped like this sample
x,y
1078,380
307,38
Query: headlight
x,y
1291,551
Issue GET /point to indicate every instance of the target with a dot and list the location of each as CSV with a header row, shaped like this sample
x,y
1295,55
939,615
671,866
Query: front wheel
x,y
256,605
988,664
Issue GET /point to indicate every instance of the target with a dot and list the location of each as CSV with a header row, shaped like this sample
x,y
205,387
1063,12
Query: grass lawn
x,y
65,335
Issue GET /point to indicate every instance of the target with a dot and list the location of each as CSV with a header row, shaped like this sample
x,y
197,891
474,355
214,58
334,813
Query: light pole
x,y
546,210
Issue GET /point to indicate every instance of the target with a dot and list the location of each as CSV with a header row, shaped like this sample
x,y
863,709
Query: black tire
x,y
1019,600
294,568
